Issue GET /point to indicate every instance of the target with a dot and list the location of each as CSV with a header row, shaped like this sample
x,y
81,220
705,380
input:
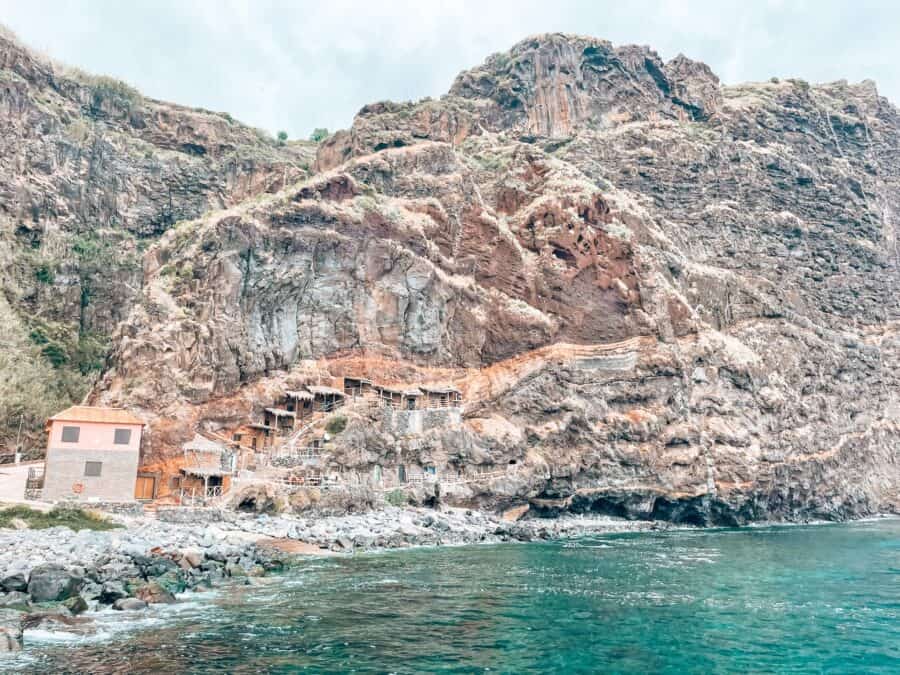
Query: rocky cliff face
x,y
661,296
91,174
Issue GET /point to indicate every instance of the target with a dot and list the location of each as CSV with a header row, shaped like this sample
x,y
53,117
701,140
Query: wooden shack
x,y
391,397
356,387
255,435
207,469
326,399
299,402
441,396
280,419
412,399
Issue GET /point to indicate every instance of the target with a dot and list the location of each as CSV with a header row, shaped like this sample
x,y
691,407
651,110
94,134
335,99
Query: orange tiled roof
x,y
86,413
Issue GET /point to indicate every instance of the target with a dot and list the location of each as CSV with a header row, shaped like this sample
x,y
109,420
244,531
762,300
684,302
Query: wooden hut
x,y
441,396
412,399
299,402
207,468
392,397
280,419
356,387
255,435
326,399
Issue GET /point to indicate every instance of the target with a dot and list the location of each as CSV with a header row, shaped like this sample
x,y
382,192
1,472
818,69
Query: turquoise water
x,y
788,599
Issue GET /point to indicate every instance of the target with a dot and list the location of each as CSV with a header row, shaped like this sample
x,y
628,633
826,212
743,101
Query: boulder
x,y
158,566
234,570
15,581
153,593
91,591
129,604
18,524
112,591
193,557
53,583
76,604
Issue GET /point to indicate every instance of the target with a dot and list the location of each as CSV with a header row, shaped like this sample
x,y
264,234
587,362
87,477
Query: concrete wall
x,y
416,422
64,468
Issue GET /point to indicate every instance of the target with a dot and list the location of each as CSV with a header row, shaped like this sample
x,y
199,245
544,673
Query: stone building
x,y
92,455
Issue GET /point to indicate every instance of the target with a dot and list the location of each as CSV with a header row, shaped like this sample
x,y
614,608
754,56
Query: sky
x,y
296,66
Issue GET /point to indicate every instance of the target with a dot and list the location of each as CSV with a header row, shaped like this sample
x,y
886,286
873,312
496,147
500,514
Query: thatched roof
x,y
299,395
325,391
361,380
202,444
280,412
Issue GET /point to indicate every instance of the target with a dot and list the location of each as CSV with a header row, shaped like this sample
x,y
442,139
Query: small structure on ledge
x,y
326,399
255,435
280,419
441,396
207,469
299,402
392,397
356,387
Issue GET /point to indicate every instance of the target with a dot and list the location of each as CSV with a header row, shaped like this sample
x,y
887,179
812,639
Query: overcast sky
x,y
300,65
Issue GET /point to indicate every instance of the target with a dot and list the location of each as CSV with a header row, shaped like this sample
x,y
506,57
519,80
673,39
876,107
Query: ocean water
x,y
776,599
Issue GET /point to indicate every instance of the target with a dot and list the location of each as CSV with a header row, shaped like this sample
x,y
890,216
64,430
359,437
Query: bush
x,y
72,517
336,425
282,137
396,498
318,135
44,273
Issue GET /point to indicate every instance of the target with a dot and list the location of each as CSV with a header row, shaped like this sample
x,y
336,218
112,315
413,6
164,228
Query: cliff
x,y
91,174
661,296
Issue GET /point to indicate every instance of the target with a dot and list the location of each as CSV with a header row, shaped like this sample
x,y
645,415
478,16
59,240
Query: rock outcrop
x,y
662,297
91,174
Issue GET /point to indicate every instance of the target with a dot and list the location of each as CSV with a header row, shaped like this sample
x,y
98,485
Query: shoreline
x,y
55,580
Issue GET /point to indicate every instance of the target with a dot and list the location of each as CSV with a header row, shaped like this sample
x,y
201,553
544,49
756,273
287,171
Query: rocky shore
x,y
52,579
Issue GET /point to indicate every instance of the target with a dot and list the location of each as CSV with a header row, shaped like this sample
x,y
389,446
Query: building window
x,y
123,437
70,434
92,468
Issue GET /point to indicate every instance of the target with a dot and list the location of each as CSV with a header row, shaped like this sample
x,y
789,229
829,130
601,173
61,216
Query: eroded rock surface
x,y
662,297
91,174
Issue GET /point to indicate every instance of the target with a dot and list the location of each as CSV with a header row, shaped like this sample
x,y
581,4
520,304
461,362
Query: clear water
x,y
789,599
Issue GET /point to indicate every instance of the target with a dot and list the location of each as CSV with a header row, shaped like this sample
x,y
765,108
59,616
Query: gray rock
x,y
52,583
76,604
129,604
16,581
112,591
192,556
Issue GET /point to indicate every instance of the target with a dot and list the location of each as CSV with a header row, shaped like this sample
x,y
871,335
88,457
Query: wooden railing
x,y
200,496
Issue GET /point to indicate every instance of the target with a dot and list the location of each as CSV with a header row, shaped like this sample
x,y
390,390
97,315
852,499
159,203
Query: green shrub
x,y
318,135
72,517
336,425
396,498
282,137
44,273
